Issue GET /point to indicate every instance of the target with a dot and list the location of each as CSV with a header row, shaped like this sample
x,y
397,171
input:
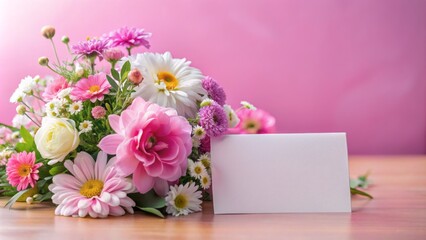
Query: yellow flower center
x,y
251,126
76,107
205,162
168,79
24,170
181,201
198,170
92,188
85,125
205,180
94,88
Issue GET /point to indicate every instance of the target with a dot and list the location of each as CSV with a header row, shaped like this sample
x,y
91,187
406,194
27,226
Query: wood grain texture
x,y
397,212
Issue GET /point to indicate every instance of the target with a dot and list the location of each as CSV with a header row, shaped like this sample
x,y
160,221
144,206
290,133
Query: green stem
x,y
53,70
129,51
8,126
56,53
36,123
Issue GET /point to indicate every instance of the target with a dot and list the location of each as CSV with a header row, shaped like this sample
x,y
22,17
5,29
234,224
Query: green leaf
x,y
125,69
114,74
355,191
56,170
148,200
112,82
21,147
154,211
26,136
12,201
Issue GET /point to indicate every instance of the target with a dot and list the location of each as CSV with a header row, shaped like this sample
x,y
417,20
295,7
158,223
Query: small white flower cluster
x,y
25,88
200,170
198,133
62,106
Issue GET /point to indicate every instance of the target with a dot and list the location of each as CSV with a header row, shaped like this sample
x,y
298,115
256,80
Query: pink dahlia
x,y
128,37
91,48
94,188
152,143
53,88
21,170
98,112
253,122
94,88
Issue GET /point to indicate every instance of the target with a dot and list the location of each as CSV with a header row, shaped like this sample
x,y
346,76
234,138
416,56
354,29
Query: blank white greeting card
x,y
280,173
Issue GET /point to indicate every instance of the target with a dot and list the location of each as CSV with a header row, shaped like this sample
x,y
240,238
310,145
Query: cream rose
x,y
56,138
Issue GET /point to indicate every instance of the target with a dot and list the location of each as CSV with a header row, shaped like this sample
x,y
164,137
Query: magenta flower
x,y
94,88
53,88
21,170
253,122
128,37
94,188
205,144
213,119
91,48
98,112
214,90
152,143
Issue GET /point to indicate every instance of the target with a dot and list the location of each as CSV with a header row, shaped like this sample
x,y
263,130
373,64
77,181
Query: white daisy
x,y
197,170
205,160
64,93
248,105
196,142
183,199
75,107
198,132
17,96
169,82
53,107
205,181
28,84
86,126
233,119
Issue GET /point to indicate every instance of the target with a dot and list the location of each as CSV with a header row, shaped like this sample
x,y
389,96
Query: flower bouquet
x,y
113,131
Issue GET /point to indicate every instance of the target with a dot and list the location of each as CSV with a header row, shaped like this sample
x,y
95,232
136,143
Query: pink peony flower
x,y
253,122
53,88
94,188
128,37
98,112
21,170
152,143
94,88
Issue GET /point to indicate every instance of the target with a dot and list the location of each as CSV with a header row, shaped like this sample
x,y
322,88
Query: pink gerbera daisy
x,y
21,170
94,88
94,188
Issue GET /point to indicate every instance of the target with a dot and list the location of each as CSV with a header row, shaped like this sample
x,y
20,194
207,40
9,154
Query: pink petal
x,y
114,122
142,180
110,143
126,162
161,187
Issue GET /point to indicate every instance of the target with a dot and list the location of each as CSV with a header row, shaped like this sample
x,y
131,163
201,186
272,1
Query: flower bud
x,y
135,76
43,61
113,54
29,200
48,31
21,109
79,70
65,39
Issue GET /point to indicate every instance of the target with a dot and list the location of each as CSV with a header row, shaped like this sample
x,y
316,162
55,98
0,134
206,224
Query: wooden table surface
x,y
397,212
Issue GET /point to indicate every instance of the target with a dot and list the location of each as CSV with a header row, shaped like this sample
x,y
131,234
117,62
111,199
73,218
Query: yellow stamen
x,y
94,88
181,201
168,79
198,170
24,170
92,188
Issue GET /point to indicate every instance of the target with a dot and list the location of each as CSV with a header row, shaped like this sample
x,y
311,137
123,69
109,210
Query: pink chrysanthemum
x,y
91,48
53,88
254,122
98,112
94,188
21,170
152,143
128,37
214,90
94,88
213,119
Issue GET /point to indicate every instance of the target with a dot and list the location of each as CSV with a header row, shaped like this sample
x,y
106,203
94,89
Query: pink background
x,y
318,66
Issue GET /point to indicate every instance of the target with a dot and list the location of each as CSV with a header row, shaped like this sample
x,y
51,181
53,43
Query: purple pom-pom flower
x,y
214,90
213,119
128,37
91,48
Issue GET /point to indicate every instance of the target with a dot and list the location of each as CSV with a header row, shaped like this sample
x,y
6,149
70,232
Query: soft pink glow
x,y
317,66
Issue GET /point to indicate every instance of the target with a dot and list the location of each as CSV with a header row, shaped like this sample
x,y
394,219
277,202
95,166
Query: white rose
x,y
56,138
233,119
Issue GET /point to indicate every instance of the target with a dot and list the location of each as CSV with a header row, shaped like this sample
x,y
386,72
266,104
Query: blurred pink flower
x,y
5,135
128,37
98,112
113,54
253,122
21,170
152,143
53,88
94,88
94,188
